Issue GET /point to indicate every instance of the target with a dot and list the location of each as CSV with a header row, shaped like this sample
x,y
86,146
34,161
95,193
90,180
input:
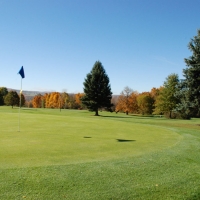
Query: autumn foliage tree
x,y
78,101
127,101
45,100
29,104
57,100
155,93
71,102
37,101
64,99
54,100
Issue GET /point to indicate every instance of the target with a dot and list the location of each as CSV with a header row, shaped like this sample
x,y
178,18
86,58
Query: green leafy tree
x,y
154,93
3,93
97,89
191,85
12,99
71,101
65,99
145,103
167,100
158,101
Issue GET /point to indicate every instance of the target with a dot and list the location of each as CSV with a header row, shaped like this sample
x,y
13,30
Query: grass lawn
x,y
75,155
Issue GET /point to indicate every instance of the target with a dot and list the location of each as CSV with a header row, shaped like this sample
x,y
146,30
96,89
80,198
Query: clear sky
x,y
139,42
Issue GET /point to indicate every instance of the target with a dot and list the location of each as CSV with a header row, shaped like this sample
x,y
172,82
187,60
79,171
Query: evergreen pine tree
x,y
97,89
184,105
192,76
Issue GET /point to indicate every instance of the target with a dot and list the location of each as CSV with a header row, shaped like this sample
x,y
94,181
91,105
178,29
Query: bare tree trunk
x,y
96,112
170,114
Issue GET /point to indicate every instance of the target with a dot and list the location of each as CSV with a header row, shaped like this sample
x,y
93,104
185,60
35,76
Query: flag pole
x,y
20,103
21,72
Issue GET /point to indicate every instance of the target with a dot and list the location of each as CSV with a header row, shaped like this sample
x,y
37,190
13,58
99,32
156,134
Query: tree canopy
x,y
191,83
12,99
145,103
127,101
3,93
167,101
97,89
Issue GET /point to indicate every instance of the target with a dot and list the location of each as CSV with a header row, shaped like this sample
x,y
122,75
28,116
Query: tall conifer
x,y
97,89
192,76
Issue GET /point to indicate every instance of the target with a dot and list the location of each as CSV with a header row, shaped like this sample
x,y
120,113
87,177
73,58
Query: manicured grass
x,y
75,155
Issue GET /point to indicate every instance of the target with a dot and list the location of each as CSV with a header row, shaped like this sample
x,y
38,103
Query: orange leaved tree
x,y
37,101
54,100
78,101
127,101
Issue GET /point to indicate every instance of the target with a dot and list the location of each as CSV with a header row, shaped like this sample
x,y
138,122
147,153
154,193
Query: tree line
x,y
58,100
11,98
176,98
48,100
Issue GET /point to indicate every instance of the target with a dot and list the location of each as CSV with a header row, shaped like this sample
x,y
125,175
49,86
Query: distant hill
x,y
29,94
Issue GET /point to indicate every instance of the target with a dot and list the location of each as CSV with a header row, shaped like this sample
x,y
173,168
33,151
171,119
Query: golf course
x,y
72,154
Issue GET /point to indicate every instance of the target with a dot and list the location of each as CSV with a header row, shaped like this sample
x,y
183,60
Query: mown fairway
x,y
75,155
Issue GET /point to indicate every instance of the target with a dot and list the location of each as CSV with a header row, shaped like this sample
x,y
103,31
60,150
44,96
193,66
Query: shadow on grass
x,y
146,116
87,137
123,140
134,116
32,109
195,196
115,116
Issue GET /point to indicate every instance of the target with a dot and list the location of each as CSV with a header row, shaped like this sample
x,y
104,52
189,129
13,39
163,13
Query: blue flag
x,y
21,72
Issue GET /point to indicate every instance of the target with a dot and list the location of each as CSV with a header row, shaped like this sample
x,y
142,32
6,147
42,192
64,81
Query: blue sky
x,y
139,42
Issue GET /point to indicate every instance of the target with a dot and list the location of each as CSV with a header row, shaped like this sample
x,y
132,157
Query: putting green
x,y
50,137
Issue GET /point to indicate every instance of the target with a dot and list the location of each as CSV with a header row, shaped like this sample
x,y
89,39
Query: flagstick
x,y
20,102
